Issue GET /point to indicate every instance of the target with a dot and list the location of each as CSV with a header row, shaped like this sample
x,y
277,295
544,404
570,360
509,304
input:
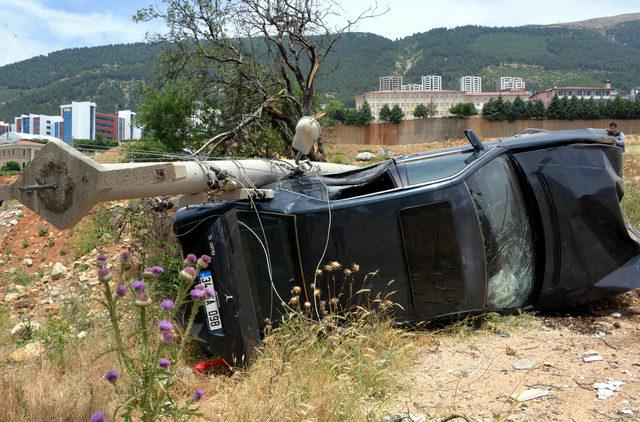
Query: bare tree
x,y
260,56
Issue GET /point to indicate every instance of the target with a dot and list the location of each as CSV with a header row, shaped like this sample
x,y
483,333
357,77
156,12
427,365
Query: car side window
x,y
433,255
506,232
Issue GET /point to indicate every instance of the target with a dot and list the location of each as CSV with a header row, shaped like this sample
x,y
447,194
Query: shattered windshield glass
x,y
506,232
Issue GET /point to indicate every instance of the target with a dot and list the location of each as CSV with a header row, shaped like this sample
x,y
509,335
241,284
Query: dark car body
x,y
532,221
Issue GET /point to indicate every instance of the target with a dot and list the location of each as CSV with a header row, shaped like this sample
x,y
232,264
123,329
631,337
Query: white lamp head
x,y
307,132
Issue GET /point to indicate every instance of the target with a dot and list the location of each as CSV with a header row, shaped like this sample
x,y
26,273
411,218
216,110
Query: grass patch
x,y
318,371
339,159
492,322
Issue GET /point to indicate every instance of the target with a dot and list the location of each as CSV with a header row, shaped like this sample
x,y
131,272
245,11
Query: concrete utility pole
x,y
62,185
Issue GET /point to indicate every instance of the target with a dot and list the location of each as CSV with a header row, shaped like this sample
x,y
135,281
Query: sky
x,y
32,27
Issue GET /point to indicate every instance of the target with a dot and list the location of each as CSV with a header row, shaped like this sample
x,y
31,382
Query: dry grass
x,y
304,371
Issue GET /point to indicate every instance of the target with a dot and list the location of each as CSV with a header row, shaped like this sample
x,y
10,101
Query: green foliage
x,y
544,56
385,113
98,142
335,111
422,110
496,109
43,230
463,110
10,166
339,159
166,117
396,115
364,114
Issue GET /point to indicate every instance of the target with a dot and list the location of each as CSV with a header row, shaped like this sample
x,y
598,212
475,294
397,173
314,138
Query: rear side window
x,y
433,256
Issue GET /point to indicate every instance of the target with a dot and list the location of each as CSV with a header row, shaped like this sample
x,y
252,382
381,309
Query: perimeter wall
x,y
430,130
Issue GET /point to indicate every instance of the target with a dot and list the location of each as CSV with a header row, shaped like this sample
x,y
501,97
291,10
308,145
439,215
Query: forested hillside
x,y
543,55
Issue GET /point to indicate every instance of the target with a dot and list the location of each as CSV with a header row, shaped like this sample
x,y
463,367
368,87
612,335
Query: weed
x,y
42,231
25,242
492,322
339,159
23,278
62,251
51,242
57,336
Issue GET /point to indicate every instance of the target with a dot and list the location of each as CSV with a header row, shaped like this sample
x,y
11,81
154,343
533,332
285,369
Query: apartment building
x,y
79,120
38,124
511,82
432,83
107,126
411,87
409,100
4,128
127,126
603,93
390,83
471,84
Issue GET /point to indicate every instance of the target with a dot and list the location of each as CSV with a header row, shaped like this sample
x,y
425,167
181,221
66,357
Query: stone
x,y
616,314
24,329
617,325
606,389
13,270
28,262
510,351
58,271
81,334
27,352
524,364
530,394
13,222
11,297
365,156
591,357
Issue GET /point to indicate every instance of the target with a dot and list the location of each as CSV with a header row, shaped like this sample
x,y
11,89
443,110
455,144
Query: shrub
x,y
10,166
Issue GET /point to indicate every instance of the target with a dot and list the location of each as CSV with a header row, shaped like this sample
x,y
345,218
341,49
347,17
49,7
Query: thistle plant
x,y
155,342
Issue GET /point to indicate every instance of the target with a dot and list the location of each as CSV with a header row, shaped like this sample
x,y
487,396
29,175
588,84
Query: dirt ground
x,y
474,374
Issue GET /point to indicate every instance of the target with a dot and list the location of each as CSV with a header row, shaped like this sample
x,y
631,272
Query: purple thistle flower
x,y
165,325
111,376
121,290
164,363
198,394
157,270
97,417
104,274
199,286
101,259
125,256
137,285
208,292
168,336
204,261
188,274
142,299
167,304
190,260
197,294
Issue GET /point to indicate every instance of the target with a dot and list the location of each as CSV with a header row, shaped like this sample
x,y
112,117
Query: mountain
x,y
576,53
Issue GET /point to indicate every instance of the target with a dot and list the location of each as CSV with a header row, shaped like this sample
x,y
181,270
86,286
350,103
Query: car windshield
x,y
431,169
506,231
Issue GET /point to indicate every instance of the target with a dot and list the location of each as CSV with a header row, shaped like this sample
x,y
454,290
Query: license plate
x,y
212,311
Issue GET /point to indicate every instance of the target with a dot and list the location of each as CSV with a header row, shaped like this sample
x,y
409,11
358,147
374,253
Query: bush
x,y
463,110
10,166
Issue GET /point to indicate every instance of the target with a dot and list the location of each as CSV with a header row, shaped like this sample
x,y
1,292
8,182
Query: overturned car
x,y
532,221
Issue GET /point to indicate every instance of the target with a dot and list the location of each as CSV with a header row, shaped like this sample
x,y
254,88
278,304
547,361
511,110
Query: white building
x,y
390,83
432,83
127,128
411,87
38,124
79,119
471,84
634,93
511,82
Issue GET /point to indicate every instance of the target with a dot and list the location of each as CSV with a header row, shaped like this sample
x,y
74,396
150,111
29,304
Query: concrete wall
x,y
430,130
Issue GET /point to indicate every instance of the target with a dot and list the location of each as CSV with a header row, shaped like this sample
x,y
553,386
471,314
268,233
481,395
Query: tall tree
x,y
263,57
463,110
364,114
420,111
396,115
575,108
518,109
539,110
590,109
385,113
